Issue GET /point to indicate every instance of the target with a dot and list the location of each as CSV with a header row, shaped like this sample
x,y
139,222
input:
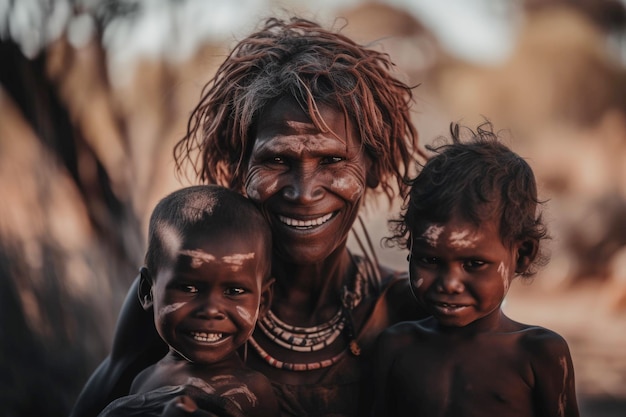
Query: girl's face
x,y
207,301
308,183
461,273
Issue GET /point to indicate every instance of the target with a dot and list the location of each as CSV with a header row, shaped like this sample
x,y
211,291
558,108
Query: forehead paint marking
x,y
431,235
236,261
504,273
462,239
245,315
198,257
171,308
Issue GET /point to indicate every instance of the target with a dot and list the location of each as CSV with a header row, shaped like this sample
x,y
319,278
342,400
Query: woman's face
x,y
308,183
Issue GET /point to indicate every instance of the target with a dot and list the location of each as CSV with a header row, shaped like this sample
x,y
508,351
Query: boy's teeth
x,y
206,337
305,223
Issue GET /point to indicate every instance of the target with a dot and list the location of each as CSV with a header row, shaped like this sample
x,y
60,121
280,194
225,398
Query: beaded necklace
x,y
311,339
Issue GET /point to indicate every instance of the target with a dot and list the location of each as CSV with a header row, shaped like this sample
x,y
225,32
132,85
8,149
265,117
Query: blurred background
x,y
94,94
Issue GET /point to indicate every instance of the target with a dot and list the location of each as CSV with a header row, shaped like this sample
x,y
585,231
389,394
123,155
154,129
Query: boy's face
x,y
461,273
207,301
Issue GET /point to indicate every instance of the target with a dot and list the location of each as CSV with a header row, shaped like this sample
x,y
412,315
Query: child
x,y
206,277
471,226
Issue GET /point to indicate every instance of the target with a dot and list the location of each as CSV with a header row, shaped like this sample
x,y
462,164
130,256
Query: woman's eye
x,y
234,291
332,160
277,160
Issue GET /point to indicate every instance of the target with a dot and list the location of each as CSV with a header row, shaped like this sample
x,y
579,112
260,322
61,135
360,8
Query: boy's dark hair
x,y
314,66
476,179
202,209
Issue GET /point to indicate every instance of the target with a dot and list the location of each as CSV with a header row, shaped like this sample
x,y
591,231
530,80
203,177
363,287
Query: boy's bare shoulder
x,y
542,343
406,332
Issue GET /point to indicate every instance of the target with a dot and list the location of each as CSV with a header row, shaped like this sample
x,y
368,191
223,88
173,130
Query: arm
x,y
554,391
136,345
379,382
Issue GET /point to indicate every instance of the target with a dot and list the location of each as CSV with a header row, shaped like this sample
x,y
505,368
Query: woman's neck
x,y
309,294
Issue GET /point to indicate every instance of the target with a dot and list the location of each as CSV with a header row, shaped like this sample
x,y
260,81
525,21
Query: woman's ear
x,y
372,179
267,291
144,291
526,254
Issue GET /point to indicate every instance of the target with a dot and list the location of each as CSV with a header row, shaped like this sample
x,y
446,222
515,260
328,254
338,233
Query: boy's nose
x,y
211,308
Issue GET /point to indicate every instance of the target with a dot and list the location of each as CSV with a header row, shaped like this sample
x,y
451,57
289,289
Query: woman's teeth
x,y
206,337
305,224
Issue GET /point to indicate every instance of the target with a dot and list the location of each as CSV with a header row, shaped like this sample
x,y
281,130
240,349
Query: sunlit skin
x,y
206,303
469,358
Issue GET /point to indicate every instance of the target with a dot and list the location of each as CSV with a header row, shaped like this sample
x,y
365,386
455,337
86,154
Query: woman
x,y
306,123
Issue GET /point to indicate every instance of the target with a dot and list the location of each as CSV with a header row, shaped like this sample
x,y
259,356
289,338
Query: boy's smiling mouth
x,y
207,337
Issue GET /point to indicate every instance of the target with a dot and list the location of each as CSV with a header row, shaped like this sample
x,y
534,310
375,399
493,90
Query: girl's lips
x,y
305,224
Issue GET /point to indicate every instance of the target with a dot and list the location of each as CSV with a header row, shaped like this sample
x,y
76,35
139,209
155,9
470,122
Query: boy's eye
x,y
192,289
234,291
427,261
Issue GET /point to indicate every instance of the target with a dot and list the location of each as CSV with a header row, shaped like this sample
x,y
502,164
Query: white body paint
x,y
431,235
171,308
198,257
504,273
462,239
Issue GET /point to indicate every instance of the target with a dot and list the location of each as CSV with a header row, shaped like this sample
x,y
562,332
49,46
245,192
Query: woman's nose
x,y
303,187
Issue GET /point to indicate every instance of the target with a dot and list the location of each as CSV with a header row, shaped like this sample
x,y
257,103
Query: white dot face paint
x,y
504,273
431,235
462,239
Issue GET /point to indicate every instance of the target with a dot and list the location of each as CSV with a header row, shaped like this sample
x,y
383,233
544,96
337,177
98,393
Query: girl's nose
x,y
450,281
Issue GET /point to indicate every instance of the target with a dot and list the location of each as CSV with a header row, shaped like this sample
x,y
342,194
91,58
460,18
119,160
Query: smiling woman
x,y
307,124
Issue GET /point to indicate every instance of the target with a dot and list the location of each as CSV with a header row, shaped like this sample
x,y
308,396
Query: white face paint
x,y
170,308
198,257
504,273
431,235
245,315
462,239
419,282
343,184
236,260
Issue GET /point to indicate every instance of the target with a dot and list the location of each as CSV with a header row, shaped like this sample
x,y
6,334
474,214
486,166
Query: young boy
x,y
471,226
207,279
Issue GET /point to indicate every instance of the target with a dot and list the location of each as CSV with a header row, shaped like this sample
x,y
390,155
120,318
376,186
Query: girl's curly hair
x,y
477,180
314,66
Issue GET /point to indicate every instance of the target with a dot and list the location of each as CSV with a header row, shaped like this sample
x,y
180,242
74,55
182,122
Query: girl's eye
x,y
234,291
474,264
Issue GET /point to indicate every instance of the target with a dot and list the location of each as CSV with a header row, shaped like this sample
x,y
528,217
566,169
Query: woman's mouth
x,y
305,224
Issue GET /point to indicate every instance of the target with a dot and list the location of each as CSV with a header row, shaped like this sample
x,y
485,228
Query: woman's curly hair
x,y
314,66
476,179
